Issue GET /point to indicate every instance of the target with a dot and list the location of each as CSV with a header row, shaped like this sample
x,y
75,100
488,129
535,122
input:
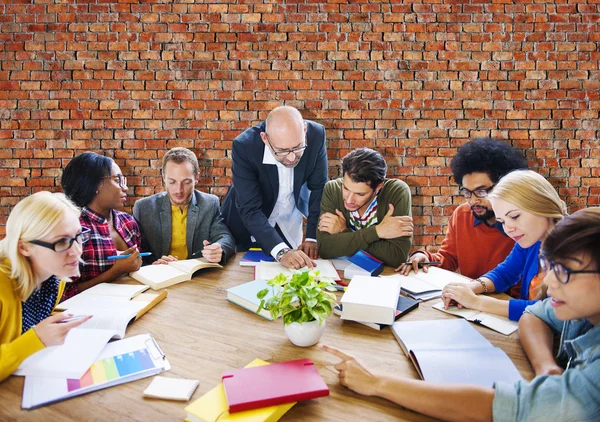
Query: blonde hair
x,y
530,192
31,219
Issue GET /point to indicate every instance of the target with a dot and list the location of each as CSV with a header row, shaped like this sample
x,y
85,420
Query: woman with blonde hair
x,y
42,244
528,207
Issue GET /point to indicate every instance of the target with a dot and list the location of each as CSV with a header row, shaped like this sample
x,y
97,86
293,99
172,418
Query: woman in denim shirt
x,y
528,207
561,391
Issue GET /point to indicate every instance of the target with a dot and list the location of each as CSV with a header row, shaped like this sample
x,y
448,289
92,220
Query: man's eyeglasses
x,y
66,243
562,273
285,152
120,179
479,193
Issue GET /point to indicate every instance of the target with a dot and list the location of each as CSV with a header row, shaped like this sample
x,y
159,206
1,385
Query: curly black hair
x,y
83,174
486,155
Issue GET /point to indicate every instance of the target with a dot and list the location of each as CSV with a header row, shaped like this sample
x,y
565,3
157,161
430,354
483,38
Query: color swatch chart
x,y
108,369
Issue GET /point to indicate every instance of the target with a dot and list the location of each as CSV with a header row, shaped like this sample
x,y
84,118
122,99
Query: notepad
x,y
452,351
497,323
171,388
165,275
270,270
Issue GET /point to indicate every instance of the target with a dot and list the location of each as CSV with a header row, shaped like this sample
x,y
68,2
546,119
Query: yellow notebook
x,y
212,407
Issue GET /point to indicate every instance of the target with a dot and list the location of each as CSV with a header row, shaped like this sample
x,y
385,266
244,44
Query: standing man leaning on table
x,y
279,171
364,210
475,242
182,222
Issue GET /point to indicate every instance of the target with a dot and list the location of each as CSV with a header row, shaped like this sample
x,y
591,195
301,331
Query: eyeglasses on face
x,y
65,243
120,179
285,152
479,193
562,273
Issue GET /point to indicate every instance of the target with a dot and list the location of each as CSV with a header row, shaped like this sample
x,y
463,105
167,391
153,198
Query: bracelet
x,y
485,289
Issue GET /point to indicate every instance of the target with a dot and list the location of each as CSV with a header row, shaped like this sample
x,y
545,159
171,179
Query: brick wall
x,y
413,80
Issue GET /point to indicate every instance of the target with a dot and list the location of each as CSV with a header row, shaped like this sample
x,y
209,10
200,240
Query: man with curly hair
x,y
475,242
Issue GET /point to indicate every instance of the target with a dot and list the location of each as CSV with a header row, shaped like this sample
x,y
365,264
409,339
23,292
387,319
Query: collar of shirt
x,y
93,216
269,158
477,221
582,347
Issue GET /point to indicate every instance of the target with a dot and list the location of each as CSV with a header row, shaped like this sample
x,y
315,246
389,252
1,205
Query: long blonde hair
x,y
530,192
31,219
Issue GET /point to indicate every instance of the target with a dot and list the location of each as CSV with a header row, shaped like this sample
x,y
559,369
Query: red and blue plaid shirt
x,y
100,245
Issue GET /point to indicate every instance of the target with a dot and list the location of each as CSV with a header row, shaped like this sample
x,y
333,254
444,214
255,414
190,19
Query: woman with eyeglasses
x,y
95,183
42,246
528,207
565,389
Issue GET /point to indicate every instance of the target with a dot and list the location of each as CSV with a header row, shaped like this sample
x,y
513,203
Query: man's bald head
x,y
285,131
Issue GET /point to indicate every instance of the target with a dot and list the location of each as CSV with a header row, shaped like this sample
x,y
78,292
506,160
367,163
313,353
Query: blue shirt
x,y
572,396
520,264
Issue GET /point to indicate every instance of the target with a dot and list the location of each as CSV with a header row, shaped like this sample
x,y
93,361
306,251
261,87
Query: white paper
x,y
270,270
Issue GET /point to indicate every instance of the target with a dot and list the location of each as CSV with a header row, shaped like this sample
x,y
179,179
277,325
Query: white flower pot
x,y
305,334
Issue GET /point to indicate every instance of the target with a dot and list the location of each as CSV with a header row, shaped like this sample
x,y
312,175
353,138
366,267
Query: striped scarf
x,y
368,219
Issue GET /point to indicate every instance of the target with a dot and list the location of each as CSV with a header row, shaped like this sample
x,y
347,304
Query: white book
x,y
106,291
497,323
371,299
171,388
165,275
428,285
270,270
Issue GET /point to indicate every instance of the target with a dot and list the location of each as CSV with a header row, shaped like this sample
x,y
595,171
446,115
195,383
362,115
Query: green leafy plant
x,y
302,297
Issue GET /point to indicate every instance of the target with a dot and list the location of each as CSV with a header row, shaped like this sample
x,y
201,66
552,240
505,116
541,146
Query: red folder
x,y
270,385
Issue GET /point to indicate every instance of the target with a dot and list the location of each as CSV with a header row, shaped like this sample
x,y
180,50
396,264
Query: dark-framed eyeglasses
x,y
283,153
479,193
120,179
65,243
562,273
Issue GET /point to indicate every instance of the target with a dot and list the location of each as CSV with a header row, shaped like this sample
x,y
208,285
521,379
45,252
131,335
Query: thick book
x,y
84,343
405,305
270,270
165,275
212,406
452,351
371,299
271,385
428,285
244,295
367,262
117,293
497,323
254,256
119,362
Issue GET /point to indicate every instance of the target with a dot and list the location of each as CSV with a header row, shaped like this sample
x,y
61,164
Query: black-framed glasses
x,y
65,243
120,179
285,152
479,193
562,273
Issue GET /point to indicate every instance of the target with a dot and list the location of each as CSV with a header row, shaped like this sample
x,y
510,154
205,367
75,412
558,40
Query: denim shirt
x,y
572,396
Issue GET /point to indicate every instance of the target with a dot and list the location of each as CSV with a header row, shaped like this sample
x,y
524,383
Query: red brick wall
x,y
413,80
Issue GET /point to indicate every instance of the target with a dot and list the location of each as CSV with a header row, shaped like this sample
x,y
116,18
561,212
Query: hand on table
x,y
165,259
296,259
414,260
310,249
462,295
353,374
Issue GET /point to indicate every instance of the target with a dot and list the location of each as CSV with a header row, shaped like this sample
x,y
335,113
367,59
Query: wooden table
x,y
203,335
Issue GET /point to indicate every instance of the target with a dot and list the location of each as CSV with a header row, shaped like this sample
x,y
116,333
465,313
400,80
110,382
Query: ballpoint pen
x,y
422,264
126,255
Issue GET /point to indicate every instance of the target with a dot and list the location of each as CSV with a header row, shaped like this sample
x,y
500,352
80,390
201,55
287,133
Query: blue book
x,y
244,295
253,257
367,262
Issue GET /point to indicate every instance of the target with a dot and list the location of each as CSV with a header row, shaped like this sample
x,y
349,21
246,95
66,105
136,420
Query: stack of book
x,y
371,299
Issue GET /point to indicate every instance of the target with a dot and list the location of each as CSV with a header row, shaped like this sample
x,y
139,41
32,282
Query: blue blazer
x,y
520,264
253,194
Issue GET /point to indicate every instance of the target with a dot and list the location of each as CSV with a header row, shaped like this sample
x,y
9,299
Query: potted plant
x,y
304,301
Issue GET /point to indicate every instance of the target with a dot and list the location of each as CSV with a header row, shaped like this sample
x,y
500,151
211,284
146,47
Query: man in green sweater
x,y
364,210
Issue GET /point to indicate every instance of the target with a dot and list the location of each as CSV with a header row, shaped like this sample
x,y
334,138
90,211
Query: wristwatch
x,y
281,253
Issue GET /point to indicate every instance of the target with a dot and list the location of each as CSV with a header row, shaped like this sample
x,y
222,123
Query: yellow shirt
x,y
178,246
14,346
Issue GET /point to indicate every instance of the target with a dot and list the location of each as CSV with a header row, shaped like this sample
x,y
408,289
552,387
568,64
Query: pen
x,y
127,255
197,252
73,318
340,288
422,264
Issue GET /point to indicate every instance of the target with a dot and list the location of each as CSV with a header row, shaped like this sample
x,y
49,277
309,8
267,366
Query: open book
x,y
117,293
119,362
497,323
452,351
165,275
428,285
269,270
84,343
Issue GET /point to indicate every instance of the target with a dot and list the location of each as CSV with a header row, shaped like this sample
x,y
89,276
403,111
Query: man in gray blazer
x,y
182,223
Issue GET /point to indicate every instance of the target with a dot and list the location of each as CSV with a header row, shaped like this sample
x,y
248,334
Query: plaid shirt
x,y
100,245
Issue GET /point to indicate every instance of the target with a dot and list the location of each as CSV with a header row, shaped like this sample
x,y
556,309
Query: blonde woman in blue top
x,y
565,389
528,207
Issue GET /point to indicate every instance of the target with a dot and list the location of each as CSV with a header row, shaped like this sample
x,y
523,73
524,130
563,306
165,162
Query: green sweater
x,y
392,252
